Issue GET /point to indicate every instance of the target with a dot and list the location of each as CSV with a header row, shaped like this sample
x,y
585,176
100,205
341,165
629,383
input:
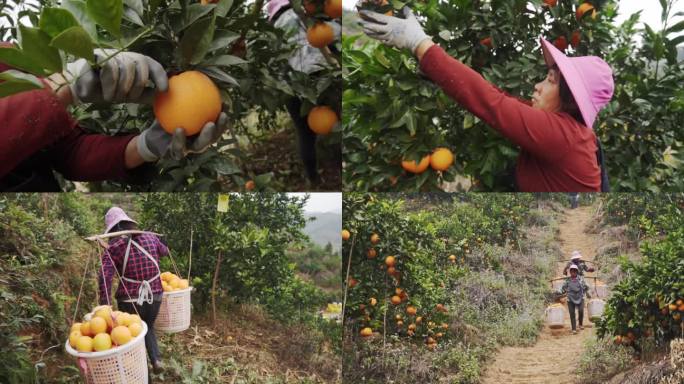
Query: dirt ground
x,y
555,356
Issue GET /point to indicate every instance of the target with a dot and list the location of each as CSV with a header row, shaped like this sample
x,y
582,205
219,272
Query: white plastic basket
x,y
599,291
595,309
555,317
174,313
126,364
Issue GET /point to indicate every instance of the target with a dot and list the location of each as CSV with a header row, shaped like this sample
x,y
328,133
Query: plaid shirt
x,y
139,266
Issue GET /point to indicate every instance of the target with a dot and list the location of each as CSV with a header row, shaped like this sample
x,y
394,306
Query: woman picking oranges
x,y
559,149
40,136
135,258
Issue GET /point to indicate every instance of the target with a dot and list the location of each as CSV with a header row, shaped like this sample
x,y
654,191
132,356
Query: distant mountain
x,y
325,229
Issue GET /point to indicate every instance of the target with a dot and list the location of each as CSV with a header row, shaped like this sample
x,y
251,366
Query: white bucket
x,y
174,312
555,316
595,309
126,364
599,291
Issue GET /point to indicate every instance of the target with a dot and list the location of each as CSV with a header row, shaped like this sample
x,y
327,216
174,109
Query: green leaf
x,y
130,15
223,7
225,61
106,13
54,21
78,9
195,12
196,40
35,45
219,75
16,59
676,28
15,81
75,41
136,5
263,179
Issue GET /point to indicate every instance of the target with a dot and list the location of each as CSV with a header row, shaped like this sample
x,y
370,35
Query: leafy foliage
x,y
393,113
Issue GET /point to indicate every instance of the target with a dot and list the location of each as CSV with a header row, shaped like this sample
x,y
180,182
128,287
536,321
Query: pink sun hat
x,y
589,78
274,6
114,216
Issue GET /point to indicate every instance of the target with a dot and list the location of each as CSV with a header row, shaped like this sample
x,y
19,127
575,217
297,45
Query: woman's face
x,y
573,272
546,94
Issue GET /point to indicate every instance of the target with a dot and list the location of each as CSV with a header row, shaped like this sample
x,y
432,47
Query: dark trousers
x,y
574,200
580,310
148,313
306,138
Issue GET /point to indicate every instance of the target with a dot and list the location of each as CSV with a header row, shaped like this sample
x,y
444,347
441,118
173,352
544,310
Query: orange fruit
x,y
400,323
372,253
672,307
487,42
135,329
76,327
391,271
366,332
321,119
452,258
575,38
373,301
98,325
374,238
85,329
583,8
550,3
390,261
102,342
561,43
121,335
419,319
191,101
310,7
250,185
352,282
396,300
73,338
205,2
84,344
333,8
320,35
345,234
413,167
441,159
410,310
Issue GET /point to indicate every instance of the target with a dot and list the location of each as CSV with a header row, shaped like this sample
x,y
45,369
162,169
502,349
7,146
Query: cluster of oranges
x,y
105,330
171,282
400,296
440,160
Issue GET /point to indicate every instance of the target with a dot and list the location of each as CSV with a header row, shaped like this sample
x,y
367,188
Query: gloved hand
x,y
120,79
401,33
155,142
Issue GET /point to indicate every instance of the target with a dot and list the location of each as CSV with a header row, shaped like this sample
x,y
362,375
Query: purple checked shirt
x,y
139,266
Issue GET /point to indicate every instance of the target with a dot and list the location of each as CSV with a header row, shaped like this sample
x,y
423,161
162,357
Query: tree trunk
x,y
213,288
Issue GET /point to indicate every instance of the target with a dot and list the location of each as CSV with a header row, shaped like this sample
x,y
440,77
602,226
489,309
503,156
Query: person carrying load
x,y
575,288
576,259
135,258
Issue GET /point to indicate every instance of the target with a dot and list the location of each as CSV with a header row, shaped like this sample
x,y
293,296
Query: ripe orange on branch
x,y
191,101
320,35
321,119
333,8
345,234
584,8
441,159
413,167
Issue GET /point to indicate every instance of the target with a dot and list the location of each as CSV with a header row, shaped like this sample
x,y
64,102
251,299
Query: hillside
x,y
324,229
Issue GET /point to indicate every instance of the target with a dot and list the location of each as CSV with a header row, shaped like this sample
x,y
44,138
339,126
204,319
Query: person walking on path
x,y
136,259
576,260
560,151
575,288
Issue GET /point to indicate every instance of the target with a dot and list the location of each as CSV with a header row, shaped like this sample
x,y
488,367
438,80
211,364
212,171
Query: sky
x,y
322,202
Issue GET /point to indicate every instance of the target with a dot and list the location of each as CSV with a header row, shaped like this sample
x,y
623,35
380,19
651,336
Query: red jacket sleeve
x,y
545,134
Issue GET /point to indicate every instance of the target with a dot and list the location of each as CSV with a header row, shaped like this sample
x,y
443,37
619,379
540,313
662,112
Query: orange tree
x,y
393,113
399,266
649,303
230,41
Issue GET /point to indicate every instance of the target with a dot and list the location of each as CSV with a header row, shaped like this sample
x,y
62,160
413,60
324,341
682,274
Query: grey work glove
x,y
401,33
155,142
123,78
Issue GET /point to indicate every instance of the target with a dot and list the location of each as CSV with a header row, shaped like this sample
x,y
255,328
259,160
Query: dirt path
x,y
555,356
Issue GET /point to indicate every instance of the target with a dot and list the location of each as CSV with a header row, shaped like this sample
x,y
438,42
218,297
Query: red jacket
x,y
36,123
558,154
